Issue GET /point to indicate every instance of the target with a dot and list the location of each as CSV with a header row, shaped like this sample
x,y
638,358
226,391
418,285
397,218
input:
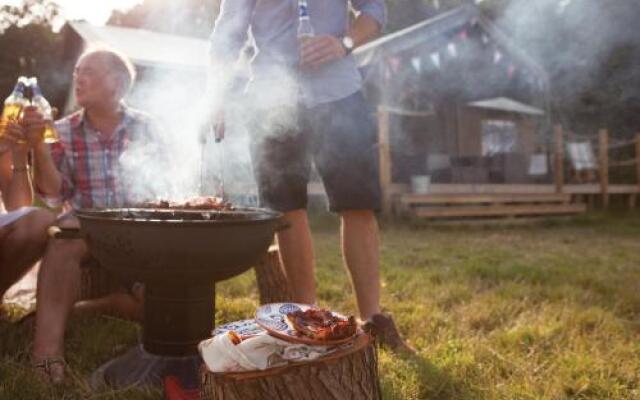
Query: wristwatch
x,y
347,44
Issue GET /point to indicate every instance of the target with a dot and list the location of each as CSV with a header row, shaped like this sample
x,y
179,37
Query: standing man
x,y
82,170
304,103
23,230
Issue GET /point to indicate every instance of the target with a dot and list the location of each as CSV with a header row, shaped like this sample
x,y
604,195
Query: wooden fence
x,y
604,164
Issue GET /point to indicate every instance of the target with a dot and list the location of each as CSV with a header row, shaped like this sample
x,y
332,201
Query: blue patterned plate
x,y
273,318
245,328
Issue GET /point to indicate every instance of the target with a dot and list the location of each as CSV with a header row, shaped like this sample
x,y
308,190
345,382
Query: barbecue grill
x,y
179,255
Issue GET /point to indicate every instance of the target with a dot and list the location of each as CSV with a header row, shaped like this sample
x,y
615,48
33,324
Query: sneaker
x,y
384,330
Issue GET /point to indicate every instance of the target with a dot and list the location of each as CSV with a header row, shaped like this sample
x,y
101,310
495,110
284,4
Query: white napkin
x,y
255,353
221,355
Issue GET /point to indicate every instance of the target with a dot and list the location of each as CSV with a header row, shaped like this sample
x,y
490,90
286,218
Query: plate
x,y
246,328
273,318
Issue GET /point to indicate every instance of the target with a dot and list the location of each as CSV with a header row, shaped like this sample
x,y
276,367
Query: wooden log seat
x,y
350,374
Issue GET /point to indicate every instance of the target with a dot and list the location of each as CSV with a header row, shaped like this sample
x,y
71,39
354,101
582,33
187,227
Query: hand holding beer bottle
x,y
14,104
49,135
315,50
34,124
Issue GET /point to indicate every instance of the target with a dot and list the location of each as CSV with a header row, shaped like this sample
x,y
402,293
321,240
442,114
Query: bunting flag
x,y
453,51
453,48
416,63
435,59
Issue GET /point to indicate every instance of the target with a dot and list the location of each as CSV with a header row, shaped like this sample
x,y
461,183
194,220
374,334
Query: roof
x,y
506,104
434,32
147,48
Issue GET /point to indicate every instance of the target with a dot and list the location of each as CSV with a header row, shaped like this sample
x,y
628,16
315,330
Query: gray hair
x,y
117,62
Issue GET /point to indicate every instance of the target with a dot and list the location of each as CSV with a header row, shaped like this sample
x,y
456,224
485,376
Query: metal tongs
x,y
217,131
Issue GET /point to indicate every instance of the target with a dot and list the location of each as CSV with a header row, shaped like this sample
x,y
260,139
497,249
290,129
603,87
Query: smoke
x,y
184,160
588,47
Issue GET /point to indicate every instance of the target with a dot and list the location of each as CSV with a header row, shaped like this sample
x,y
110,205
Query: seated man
x,y
23,230
82,170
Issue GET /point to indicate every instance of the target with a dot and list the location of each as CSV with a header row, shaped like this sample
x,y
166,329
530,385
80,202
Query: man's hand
x,y
34,125
319,50
14,137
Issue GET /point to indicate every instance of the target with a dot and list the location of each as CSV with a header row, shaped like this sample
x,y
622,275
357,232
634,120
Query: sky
x,y
95,11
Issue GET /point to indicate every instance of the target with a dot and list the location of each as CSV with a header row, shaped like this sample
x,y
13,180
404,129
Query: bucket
x,y
420,184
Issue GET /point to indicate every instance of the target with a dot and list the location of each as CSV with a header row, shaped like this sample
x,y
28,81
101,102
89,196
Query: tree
x,y
39,12
30,47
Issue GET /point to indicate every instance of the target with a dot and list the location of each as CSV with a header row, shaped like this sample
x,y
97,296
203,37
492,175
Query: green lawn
x,y
549,310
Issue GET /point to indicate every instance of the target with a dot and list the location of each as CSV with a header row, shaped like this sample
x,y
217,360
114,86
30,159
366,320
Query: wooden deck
x,y
502,200
456,201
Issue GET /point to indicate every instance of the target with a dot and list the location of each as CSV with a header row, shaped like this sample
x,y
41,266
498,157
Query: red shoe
x,y
173,390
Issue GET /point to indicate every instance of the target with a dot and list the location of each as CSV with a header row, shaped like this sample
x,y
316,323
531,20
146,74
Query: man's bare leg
x,y
296,254
360,250
58,289
23,244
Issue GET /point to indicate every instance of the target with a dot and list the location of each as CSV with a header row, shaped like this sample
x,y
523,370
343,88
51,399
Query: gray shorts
x,y
339,137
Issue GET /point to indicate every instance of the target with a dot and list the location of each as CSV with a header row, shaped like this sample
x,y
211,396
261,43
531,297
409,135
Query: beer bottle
x,y
39,101
305,29
14,103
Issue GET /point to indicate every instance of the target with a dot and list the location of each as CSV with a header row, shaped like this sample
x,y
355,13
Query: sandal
x,y
52,369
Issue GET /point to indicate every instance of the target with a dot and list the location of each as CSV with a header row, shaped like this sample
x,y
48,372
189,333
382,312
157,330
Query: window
x,y
498,137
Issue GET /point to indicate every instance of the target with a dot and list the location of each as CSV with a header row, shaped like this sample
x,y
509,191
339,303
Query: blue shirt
x,y
273,25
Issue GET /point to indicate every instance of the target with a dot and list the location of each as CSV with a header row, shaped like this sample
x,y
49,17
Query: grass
x,y
549,310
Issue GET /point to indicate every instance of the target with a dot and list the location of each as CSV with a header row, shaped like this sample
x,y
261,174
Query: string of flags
x,y
453,48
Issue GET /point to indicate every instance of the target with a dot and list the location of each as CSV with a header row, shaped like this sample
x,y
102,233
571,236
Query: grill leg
x,y
177,318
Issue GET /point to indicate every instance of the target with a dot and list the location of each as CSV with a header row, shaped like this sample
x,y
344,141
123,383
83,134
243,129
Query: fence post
x,y
603,166
559,158
384,148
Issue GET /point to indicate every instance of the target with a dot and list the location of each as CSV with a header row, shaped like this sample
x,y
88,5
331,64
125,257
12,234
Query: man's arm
x,y
370,19
20,191
323,49
15,181
5,174
227,39
48,178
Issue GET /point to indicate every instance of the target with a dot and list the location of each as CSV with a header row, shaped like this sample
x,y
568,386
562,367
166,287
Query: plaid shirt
x,y
89,162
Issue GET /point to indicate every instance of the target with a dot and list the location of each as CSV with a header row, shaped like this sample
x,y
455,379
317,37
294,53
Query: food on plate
x,y
322,324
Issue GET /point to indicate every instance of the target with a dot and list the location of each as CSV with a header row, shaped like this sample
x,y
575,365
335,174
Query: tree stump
x,y
350,374
271,278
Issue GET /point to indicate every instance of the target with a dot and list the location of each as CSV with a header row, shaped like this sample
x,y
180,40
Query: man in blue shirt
x,y
304,103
